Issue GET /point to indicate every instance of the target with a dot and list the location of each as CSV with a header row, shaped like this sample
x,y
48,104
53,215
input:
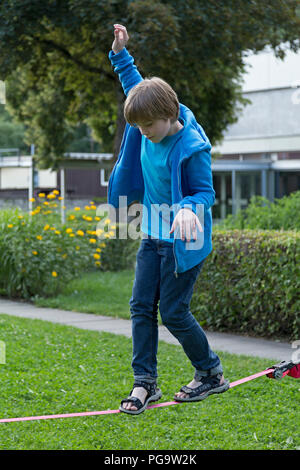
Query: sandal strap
x,y
193,392
136,401
150,387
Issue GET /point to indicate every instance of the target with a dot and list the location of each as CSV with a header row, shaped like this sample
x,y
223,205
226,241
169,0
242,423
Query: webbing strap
x,y
107,412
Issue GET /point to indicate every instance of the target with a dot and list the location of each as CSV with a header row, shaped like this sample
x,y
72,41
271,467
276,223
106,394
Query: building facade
x,y
260,153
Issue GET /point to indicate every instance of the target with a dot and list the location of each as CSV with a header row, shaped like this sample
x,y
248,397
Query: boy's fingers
x,y
119,27
199,225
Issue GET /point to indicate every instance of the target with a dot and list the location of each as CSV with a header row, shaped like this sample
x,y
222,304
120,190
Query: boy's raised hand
x,y
121,38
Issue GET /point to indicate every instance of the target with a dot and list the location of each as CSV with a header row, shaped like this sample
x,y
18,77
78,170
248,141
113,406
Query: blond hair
x,y
149,100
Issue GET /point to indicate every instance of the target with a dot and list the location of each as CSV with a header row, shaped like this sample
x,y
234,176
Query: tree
x,y
11,134
53,55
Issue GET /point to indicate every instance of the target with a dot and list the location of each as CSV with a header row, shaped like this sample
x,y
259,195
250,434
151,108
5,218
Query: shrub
x,y
119,253
283,214
39,254
250,284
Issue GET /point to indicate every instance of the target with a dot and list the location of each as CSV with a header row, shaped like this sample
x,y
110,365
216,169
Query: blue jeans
x,y
155,282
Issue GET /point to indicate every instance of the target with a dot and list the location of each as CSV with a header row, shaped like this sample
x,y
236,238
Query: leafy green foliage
x,y
11,134
250,284
39,254
282,214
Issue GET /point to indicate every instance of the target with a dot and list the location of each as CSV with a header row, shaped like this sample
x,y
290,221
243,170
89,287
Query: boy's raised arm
x,y
122,61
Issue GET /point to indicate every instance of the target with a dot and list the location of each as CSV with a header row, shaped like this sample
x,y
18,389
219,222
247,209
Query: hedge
x,y
250,284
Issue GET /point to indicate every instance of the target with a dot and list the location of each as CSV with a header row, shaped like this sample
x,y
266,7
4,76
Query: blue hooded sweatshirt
x,y
191,175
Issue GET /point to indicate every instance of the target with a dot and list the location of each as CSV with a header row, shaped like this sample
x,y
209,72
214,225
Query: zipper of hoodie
x,y
179,186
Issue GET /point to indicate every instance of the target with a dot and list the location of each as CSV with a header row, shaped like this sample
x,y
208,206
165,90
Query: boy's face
x,y
156,130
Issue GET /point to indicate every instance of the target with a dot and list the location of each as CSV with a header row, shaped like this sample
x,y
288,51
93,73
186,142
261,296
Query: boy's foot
x,y
141,394
138,392
196,391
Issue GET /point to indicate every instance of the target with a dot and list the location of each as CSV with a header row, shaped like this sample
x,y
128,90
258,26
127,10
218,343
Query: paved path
x,y
274,350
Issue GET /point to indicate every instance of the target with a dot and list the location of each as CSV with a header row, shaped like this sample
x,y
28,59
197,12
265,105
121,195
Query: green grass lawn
x,y
54,369
102,293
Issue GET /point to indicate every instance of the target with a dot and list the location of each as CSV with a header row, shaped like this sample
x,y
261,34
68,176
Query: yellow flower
x,y
42,195
93,240
80,232
60,198
97,218
54,273
47,226
93,207
55,191
39,237
69,230
50,196
20,217
96,256
99,231
99,250
92,202
107,221
10,225
71,235
111,233
87,208
46,203
97,263
89,219
57,232
71,217
77,247
103,245
52,228
32,199
34,252
76,208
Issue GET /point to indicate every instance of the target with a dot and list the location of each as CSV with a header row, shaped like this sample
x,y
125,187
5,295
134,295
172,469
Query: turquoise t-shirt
x,y
156,167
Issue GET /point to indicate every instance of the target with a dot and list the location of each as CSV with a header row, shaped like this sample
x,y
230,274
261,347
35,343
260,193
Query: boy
x,y
164,160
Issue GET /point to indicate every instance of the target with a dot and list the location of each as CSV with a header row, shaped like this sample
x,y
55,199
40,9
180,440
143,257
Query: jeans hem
x,y
205,373
146,378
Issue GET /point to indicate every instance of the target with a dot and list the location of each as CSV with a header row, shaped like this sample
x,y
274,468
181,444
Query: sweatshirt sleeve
x,y
123,64
197,175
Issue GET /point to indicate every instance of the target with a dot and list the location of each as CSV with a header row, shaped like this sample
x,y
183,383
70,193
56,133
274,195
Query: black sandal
x,y
153,394
208,386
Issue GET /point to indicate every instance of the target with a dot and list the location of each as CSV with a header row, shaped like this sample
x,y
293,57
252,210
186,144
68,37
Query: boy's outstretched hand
x,y
121,38
187,221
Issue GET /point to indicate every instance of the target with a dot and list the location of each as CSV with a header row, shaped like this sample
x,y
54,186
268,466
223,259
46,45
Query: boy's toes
x,y
129,406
